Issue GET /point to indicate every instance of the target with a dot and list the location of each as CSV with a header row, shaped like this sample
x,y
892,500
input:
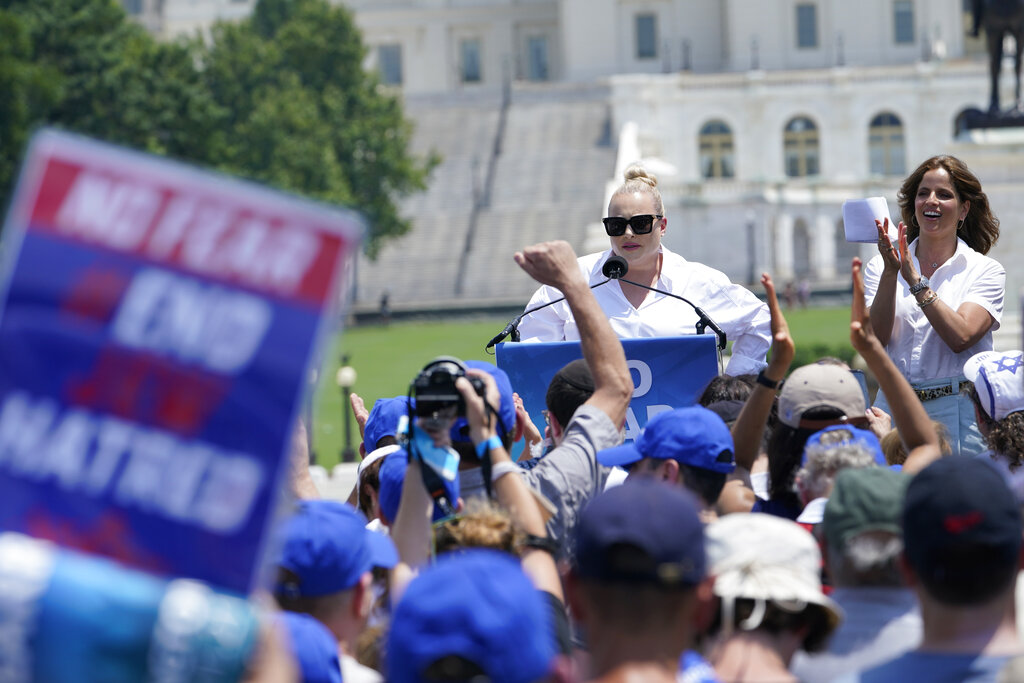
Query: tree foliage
x,y
281,98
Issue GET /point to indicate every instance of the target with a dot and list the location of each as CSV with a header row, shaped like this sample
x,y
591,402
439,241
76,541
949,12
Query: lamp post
x,y
346,379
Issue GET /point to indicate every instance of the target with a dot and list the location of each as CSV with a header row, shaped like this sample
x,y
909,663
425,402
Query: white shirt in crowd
x,y
915,347
740,314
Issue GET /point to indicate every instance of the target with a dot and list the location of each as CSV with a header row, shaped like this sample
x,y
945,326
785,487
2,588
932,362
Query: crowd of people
x,y
781,529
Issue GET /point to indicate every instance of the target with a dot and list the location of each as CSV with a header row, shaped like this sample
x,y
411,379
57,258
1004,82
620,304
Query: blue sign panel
x,y
668,372
156,326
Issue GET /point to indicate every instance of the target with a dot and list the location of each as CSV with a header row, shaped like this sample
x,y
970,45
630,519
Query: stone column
x,y
783,270
823,249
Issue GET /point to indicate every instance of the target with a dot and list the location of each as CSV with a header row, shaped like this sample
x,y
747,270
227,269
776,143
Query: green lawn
x,y
387,358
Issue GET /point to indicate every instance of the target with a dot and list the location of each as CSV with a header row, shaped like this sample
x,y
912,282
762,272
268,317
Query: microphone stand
x,y
704,321
513,325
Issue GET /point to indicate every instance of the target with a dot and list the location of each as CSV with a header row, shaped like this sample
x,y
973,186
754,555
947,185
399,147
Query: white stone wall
x,y
430,37
595,39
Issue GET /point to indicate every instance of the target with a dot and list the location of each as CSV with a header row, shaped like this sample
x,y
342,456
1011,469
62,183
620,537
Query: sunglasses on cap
x,y
641,224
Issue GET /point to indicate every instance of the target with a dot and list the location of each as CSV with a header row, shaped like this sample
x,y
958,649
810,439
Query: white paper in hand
x,y
859,219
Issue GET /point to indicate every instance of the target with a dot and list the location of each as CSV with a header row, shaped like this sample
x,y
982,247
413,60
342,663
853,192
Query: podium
x,y
667,372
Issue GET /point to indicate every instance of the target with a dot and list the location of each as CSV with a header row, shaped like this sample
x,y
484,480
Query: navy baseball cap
x,y
645,531
475,612
314,647
327,547
506,410
693,436
392,477
863,437
958,503
383,419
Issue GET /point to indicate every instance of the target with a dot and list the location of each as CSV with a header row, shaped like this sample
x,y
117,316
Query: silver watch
x,y
921,285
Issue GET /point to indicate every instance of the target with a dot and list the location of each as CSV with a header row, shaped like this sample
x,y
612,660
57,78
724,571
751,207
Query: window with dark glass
x,y
389,62
806,25
903,21
470,61
537,58
885,145
716,150
646,36
800,147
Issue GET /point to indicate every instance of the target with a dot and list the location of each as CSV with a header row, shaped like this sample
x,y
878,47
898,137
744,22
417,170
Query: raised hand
x,y
783,348
550,263
861,335
907,269
890,255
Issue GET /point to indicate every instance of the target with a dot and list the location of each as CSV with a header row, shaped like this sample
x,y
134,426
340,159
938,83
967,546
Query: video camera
x,y
435,391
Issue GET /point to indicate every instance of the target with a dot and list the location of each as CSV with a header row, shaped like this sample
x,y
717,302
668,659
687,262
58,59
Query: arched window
x,y
800,146
716,153
885,145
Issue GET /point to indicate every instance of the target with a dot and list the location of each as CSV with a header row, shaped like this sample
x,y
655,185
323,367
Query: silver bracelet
x,y
929,301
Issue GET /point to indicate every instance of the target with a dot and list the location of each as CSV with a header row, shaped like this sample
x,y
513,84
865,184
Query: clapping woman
x,y
935,297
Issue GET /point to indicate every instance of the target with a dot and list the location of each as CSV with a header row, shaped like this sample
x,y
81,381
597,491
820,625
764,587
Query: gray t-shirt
x,y
570,475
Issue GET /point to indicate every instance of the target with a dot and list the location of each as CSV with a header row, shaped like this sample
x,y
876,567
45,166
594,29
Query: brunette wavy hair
x,y
980,229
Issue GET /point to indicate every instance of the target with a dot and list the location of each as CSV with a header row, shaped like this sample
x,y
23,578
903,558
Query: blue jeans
x,y
956,412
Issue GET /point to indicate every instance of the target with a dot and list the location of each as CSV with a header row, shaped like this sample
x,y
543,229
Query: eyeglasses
x,y
641,224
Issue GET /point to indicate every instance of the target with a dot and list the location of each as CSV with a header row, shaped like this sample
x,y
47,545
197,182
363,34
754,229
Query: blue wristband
x,y
491,444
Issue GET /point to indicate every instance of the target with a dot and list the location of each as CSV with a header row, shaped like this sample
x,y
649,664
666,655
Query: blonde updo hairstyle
x,y
639,179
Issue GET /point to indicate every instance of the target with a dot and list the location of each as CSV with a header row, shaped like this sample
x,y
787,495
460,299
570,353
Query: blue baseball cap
x,y
507,408
478,607
658,520
314,647
862,437
392,476
383,419
693,436
327,546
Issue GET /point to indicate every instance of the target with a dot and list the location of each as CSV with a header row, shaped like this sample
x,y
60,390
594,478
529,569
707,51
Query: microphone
x,y
613,269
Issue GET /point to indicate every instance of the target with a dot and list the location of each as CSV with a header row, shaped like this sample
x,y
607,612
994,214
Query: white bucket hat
x,y
766,558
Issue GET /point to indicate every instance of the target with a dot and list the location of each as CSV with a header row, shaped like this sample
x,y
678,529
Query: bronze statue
x,y
999,17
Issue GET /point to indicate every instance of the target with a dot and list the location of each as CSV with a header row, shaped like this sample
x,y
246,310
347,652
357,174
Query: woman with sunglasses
x,y
635,225
935,297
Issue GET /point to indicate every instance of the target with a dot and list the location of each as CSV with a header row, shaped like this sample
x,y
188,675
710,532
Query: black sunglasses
x,y
641,224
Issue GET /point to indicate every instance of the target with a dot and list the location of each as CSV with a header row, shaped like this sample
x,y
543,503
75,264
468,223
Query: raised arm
x,y
509,487
410,530
554,264
883,308
750,425
959,328
908,414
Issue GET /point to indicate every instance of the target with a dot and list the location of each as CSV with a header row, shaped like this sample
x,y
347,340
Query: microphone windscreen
x,y
615,267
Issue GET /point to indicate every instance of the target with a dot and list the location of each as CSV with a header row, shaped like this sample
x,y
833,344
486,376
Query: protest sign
x,y
156,324
667,372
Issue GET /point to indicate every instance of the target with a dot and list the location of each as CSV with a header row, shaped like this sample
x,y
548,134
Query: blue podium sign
x,y
668,372
156,327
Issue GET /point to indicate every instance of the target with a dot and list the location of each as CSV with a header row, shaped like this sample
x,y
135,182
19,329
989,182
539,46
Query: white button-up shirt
x,y
741,315
915,346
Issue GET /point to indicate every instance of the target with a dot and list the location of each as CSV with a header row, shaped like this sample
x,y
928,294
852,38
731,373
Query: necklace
x,y
935,265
